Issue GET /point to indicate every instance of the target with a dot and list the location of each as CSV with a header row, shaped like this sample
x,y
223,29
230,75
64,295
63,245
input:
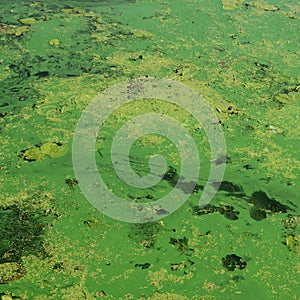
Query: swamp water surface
x,y
242,57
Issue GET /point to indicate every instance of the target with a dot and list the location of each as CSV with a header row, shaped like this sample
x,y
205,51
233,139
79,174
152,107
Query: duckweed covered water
x,y
243,57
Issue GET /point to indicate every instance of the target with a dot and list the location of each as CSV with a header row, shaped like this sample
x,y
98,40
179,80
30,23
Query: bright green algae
x,y
242,57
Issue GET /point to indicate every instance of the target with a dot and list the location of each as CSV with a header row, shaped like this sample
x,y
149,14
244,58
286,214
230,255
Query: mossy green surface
x,y
242,57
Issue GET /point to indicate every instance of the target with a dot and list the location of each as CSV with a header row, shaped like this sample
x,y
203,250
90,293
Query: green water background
x,y
243,57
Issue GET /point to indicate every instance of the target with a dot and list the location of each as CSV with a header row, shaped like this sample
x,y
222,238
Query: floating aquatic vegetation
x,y
166,296
292,223
9,296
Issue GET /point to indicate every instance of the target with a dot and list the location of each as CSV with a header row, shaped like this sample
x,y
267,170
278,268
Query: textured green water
x,y
243,57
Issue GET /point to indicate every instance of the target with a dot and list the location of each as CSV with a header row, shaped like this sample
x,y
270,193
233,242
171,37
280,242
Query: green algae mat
x,y
234,63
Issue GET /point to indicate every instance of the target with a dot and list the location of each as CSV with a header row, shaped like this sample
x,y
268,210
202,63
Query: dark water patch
x,y
143,198
182,266
15,93
248,167
171,176
233,262
230,187
175,180
189,187
227,211
71,182
145,234
260,199
161,212
143,266
222,159
182,244
237,278
4,104
263,205
257,213
21,233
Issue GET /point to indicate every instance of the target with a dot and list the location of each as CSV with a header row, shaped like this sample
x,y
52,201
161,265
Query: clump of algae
x,y
231,4
49,148
166,296
53,149
10,271
32,154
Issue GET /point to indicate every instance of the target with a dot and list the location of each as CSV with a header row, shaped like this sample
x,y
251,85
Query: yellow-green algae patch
x,y
53,149
10,271
27,21
231,4
46,149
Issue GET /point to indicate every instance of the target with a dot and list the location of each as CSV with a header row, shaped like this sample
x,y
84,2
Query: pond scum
x,y
56,56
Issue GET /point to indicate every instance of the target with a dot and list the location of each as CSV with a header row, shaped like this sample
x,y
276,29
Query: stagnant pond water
x,y
95,91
